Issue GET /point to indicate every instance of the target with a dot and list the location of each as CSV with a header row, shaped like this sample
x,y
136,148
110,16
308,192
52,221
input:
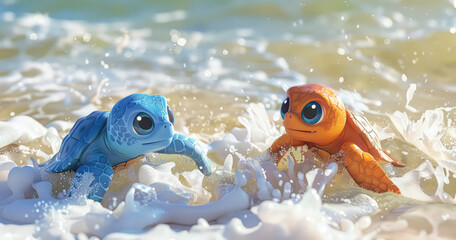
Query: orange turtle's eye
x,y
312,113
285,107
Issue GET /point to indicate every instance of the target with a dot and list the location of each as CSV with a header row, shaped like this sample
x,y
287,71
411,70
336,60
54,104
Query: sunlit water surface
x,y
392,60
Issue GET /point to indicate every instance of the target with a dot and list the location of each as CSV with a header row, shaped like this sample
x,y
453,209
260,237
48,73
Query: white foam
x,y
426,134
410,184
257,135
52,138
163,201
149,175
19,130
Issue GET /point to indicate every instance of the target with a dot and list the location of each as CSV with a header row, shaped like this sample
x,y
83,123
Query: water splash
x,y
426,134
146,206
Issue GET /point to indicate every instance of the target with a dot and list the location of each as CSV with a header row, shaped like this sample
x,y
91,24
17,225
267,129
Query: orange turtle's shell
x,y
366,129
369,136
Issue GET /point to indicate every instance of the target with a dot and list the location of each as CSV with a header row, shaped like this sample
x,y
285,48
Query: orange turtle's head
x,y
313,113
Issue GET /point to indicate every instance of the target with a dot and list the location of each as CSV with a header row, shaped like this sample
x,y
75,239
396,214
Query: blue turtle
x,y
136,125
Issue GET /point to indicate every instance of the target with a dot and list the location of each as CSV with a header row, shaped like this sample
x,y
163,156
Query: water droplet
x,y
33,36
404,77
181,42
341,51
207,73
86,37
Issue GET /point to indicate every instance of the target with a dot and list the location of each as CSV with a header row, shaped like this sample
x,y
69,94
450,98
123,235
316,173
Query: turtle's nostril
x,y
165,126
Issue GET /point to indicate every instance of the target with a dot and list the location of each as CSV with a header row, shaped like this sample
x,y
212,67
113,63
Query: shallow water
x,y
61,60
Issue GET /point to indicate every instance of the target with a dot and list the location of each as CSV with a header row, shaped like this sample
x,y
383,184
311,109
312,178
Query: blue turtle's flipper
x,y
189,147
101,169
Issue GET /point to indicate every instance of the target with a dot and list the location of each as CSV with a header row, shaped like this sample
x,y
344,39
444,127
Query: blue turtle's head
x,y
140,124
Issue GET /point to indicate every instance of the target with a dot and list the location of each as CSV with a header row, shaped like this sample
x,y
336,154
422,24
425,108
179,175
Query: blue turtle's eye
x,y
143,124
170,115
312,113
285,107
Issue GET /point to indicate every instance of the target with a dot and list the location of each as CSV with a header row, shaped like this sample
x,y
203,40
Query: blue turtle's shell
x,y
83,133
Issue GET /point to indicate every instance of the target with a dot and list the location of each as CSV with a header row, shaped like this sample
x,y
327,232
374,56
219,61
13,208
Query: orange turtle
x,y
314,115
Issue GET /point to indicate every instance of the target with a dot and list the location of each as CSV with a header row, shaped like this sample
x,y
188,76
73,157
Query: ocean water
x,y
224,67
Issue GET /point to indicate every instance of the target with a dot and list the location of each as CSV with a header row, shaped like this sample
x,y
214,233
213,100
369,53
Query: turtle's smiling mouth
x,y
301,130
149,143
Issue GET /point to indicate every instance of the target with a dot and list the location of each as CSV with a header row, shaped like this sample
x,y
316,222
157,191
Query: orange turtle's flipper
x,y
365,170
280,146
280,143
